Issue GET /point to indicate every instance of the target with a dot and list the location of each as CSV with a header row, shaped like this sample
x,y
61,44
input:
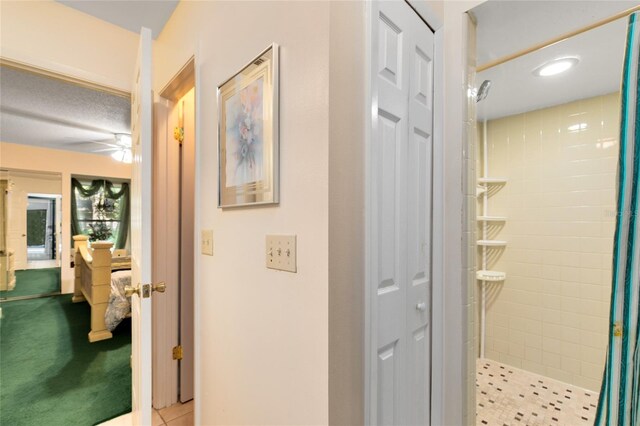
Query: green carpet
x,y
32,282
49,372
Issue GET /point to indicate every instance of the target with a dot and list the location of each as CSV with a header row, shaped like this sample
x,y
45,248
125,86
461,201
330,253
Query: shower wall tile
x,y
550,316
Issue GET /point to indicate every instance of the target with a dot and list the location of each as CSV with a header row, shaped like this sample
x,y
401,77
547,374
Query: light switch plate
x,y
281,252
206,242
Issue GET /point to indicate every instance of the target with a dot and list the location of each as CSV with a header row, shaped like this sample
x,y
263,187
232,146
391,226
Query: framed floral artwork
x,y
248,134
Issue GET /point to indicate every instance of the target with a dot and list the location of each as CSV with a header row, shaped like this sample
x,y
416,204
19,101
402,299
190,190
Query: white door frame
x,y
167,314
51,209
165,255
437,256
197,368
438,205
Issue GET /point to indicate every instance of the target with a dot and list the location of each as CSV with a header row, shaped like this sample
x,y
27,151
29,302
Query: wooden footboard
x,y
93,281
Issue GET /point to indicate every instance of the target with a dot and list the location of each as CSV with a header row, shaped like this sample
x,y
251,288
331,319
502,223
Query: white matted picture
x,y
248,134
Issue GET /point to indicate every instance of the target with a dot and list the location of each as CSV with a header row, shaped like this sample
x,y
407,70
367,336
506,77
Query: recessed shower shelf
x,y
492,243
494,276
492,218
492,181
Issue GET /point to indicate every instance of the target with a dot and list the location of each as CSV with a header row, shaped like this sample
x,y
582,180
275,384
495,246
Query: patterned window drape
x,y
620,392
112,210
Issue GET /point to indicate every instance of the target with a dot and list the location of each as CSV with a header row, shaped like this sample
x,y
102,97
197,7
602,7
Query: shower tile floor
x,y
509,396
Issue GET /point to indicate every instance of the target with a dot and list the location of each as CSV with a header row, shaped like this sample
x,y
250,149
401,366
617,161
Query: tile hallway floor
x,y
177,415
509,396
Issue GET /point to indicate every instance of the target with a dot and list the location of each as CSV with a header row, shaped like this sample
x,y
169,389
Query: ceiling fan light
x,y
118,155
123,139
122,155
127,157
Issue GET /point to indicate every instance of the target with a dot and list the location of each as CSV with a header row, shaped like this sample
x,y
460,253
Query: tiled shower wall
x,y
551,314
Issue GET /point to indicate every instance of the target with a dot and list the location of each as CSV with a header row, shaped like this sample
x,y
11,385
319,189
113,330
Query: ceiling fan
x,y
119,146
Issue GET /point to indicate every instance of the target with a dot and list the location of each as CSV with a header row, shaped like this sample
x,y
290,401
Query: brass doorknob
x,y
160,287
130,291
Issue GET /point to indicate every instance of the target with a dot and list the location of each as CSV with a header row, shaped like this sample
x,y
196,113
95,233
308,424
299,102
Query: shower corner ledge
x,y
493,276
492,243
491,218
492,181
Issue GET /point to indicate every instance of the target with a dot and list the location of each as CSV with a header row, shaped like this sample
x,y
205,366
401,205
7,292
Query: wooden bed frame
x,y
93,266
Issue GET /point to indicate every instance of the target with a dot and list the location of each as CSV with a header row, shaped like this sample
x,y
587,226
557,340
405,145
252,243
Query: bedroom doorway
x,y
30,262
54,128
41,224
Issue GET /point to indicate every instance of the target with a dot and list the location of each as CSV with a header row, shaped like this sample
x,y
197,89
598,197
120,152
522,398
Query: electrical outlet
x,y
281,252
206,242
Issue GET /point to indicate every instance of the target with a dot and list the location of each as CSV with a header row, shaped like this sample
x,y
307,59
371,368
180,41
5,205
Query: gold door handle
x,y
160,287
130,291
144,290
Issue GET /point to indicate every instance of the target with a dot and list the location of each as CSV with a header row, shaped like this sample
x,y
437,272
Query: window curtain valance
x,y
108,189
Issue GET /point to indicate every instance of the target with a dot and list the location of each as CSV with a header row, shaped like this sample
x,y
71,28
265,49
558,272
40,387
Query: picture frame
x,y
248,134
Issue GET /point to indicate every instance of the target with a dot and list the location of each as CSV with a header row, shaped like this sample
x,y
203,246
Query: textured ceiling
x,y
130,15
505,27
43,111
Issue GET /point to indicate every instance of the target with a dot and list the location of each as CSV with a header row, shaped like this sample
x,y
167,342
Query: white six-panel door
x,y
141,138
400,215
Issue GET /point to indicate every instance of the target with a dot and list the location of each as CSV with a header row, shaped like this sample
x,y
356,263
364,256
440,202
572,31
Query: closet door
x,y
400,232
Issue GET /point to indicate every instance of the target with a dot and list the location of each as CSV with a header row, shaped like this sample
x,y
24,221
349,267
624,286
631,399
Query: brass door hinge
x,y
177,352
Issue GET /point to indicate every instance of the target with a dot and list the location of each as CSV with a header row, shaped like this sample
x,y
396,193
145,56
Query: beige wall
x,y
66,163
347,114
49,35
551,314
263,334
436,8
34,183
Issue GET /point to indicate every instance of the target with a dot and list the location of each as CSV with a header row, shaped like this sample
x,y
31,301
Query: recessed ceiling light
x,y
554,67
